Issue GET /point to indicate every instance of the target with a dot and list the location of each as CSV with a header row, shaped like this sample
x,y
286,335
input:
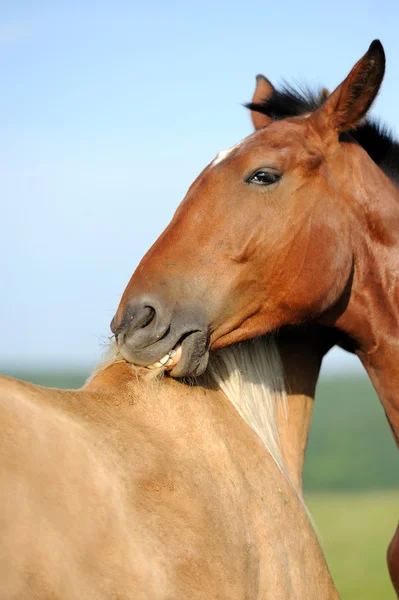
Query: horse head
x,y
261,239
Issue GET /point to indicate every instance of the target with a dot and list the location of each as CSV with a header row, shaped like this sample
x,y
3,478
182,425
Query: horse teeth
x,y
165,361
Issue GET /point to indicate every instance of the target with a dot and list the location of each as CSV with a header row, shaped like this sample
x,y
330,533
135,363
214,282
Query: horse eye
x,y
264,178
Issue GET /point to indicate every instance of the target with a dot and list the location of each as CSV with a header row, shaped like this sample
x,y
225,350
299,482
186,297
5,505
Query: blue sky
x,y
108,112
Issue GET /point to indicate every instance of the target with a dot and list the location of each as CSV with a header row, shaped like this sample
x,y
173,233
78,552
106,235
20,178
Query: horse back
x,y
157,495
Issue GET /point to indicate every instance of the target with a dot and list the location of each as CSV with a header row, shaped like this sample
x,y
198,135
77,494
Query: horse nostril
x,y
145,321
142,318
138,316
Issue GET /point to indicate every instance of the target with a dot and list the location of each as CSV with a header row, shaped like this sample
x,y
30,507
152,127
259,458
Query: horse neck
x,y
370,316
120,382
301,352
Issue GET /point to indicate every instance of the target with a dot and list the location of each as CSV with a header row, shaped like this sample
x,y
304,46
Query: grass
x,y
351,446
355,530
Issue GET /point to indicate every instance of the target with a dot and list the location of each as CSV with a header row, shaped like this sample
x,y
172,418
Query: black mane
x,y
375,138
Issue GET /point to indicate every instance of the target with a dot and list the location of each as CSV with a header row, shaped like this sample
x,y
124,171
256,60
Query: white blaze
x,y
224,154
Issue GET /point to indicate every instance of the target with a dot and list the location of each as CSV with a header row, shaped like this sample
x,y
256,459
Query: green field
x,y
351,480
352,486
351,446
355,529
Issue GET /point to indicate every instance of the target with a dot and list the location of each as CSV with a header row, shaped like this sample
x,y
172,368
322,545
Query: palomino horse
x,y
296,223
138,489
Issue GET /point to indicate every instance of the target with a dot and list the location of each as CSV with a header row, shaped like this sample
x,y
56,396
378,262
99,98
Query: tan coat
x,y
131,490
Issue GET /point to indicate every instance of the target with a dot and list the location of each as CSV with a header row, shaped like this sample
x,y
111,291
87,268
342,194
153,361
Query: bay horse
x,y
138,489
298,223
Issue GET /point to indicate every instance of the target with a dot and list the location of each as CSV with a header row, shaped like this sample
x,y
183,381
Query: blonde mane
x,y
251,376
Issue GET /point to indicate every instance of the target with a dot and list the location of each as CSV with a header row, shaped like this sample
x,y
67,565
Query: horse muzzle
x,y
152,335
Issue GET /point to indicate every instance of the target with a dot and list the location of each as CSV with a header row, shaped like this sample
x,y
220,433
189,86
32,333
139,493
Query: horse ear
x,y
263,91
323,95
351,100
